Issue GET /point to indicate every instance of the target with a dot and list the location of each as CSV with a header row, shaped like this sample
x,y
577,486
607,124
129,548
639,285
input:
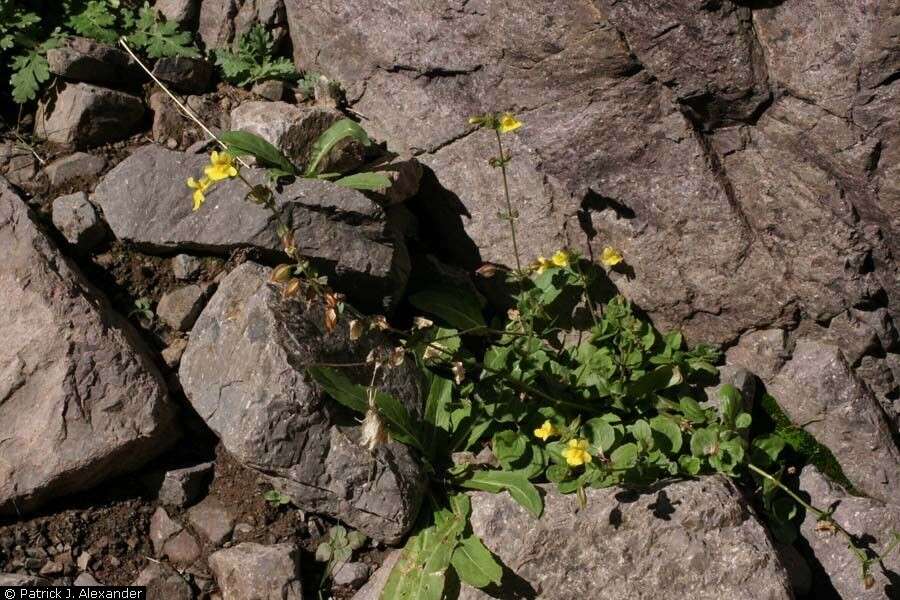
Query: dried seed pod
x,y
459,372
282,273
356,330
331,319
291,288
422,323
379,322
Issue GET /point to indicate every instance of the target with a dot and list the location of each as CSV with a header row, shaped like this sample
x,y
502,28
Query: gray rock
x,y
74,166
163,583
185,74
17,164
243,372
863,517
180,308
182,549
83,59
85,115
797,568
723,79
183,12
818,389
171,354
216,26
691,539
373,588
273,90
743,381
761,352
185,266
647,127
77,220
20,580
251,571
168,122
212,519
82,399
88,580
854,336
351,574
294,129
162,528
182,487
145,202
268,13
405,174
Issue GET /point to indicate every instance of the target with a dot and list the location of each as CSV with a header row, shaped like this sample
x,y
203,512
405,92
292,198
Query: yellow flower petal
x,y
610,257
545,431
560,259
541,265
221,166
508,123
576,453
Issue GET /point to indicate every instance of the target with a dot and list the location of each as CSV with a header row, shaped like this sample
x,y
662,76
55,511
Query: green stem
x,y
509,210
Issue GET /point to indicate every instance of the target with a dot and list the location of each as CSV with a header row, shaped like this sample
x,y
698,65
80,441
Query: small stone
x,y
17,163
405,175
182,487
51,568
182,549
20,580
272,89
83,59
163,583
180,11
352,574
172,353
327,93
77,220
249,571
84,561
84,115
86,580
185,74
242,529
212,519
74,166
162,528
180,308
185,266
168,122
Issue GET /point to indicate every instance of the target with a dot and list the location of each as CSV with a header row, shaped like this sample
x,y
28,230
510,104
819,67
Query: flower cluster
x,y
609,258
221,166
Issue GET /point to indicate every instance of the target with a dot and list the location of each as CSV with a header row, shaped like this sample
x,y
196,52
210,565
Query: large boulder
x,y
691,539
699,138
244,373
80,398
874,524
84,59
145,201
818,389
83,115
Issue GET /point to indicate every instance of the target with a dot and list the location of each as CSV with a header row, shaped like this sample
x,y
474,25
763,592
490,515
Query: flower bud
x,y
356,330
374,433
282,273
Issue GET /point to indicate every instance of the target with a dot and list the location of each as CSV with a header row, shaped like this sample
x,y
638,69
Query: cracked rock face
x,y
80,398
748,177
145,201
244,373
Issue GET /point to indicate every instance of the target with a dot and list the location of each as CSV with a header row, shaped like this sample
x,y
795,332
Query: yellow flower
x,y
508,123
542,264
560,259
576,454
221,166
545,431
610,257
200,188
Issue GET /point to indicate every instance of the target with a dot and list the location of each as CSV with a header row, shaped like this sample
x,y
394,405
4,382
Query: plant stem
x,y
818,512
184,109
509,210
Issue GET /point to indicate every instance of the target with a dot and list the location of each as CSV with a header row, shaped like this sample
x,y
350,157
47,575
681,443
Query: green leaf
x,y
692,410
730,404
29,72
624,457
365,181
690,464
520,489
475,564
457,307
399,421
509,446
600,433
669,430
341,130
704,442
352,395
767,448
743,421
437,421
643,434
159,38
244,143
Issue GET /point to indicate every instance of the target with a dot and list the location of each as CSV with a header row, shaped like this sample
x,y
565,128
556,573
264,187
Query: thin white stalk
x,y
184,109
